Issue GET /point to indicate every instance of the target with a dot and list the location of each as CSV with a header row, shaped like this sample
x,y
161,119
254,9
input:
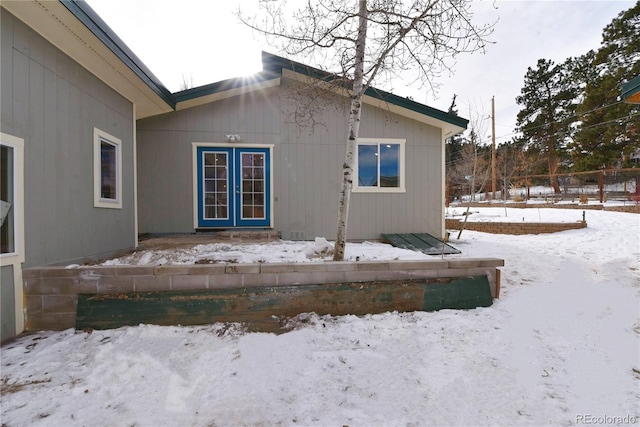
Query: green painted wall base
x,y
264,308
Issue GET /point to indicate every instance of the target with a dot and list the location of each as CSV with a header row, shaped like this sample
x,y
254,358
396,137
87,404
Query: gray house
x,y
96,151
251,153
71,93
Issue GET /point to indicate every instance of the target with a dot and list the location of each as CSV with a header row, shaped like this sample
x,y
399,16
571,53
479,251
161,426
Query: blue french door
x,y
234,187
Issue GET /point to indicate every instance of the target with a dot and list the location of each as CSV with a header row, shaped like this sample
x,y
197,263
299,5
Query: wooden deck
x,y
421,242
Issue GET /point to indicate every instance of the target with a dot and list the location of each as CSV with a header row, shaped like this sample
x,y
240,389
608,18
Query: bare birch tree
x,y
366,41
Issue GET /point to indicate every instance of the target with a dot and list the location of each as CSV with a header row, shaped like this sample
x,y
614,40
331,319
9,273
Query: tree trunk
x,y
553,169
354,129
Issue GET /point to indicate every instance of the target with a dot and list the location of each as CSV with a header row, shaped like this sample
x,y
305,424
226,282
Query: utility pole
x,y
493,149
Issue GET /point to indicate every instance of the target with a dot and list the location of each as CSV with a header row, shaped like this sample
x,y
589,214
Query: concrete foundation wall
x,y
52,292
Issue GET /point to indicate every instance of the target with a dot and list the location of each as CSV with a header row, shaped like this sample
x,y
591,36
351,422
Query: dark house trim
x,y
631,91
81,10
275,63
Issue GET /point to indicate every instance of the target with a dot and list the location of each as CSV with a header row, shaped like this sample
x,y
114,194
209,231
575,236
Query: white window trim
x,y
16,258
99,202
17,144
402,172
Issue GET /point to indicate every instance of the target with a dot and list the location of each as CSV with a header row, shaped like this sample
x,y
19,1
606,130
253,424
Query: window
x,y
7,199
379,166
107,170
11,195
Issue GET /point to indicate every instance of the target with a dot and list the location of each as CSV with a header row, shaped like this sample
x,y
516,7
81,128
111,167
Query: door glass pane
x,y
247,212
253,197
209,172
7,240
215,186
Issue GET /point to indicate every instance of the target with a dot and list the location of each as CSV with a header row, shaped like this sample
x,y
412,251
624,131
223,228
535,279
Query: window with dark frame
x,y
108,170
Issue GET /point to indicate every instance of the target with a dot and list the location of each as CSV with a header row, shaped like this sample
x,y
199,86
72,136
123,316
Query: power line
x,y
577,129
454,162
559,121
610,121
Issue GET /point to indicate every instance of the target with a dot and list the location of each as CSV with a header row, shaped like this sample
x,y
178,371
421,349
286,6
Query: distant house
x,y
631,95
95,151
631,91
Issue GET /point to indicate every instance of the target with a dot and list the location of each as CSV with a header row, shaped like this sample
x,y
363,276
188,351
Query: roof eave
x,y
73,28
451,123
83,12
224,88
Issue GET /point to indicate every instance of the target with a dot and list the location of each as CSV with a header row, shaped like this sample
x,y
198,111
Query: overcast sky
x,y
201,41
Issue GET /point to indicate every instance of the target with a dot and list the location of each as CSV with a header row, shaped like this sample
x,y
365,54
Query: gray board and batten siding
x,y
54,104
307,165
7,298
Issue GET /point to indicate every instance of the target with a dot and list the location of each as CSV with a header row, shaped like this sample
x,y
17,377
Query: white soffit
x,y
228,93
448,129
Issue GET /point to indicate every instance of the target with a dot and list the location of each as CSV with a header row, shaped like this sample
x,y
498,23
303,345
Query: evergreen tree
x,y
453,155
545,121
453,144
609,129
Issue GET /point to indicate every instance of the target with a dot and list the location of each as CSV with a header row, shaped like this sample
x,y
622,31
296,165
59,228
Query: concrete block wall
x,y
625,208
52,292
630,208
514,227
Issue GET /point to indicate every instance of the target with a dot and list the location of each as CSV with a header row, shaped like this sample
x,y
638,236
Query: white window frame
x,y
17,145
99,137
17,257
380,141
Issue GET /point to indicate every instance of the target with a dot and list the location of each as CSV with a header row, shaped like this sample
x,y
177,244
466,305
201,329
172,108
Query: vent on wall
x,y
296,235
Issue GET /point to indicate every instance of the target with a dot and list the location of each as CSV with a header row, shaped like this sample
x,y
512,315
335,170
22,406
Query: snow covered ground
x,y
561,347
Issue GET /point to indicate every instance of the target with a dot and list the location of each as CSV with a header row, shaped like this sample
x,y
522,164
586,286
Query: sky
x,y
202,42
560,347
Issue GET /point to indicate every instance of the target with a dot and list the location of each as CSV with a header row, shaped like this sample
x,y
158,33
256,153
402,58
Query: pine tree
x,y
548,100
453,155
610,129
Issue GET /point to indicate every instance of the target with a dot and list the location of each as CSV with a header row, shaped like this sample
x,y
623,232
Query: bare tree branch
x,y
366,41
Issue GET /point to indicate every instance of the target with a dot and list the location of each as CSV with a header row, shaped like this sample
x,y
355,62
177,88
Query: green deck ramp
x,y
421,242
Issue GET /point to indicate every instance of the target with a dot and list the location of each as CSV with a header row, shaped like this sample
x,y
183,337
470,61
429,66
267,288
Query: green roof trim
x,y
631,91
272,68
224,85
275,63
83,12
